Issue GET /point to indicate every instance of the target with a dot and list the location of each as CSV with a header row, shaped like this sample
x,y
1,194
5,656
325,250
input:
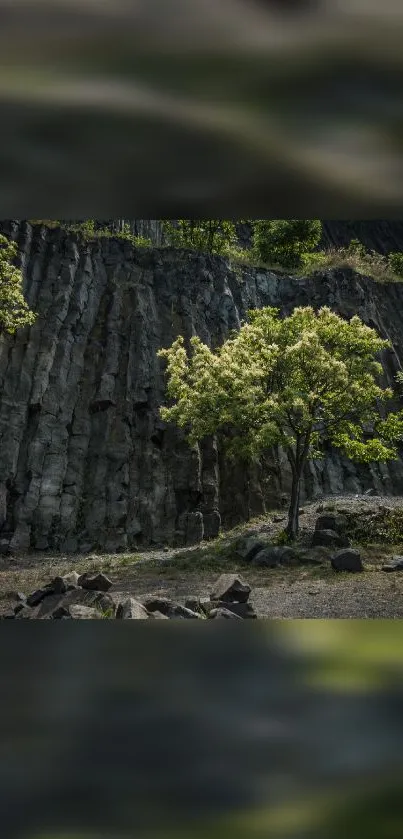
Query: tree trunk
x,y
293,512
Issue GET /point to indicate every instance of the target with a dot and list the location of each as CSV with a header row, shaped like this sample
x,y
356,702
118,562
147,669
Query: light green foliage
x,y
396,263
285,241
295,382
14,310
216,236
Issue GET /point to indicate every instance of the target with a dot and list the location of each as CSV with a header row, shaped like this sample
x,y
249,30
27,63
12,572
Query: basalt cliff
x,y
85,462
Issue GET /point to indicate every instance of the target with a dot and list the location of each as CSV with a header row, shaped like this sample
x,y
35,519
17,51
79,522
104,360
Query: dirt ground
x,y
305,591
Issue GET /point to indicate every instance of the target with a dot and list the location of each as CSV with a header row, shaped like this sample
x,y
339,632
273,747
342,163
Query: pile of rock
x,y
88,596
228,599
330,532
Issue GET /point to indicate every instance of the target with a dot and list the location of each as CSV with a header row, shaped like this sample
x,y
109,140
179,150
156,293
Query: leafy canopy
x,y
14,310
296,382
285,241
216,236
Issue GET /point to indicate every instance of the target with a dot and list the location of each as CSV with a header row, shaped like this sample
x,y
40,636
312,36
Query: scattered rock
x,y
278,519
348,559
223,613
242,610
79,612
169,608
395,564
331,538
94,582
231,588
131,609
274,555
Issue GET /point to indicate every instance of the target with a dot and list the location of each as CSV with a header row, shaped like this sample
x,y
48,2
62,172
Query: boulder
x,y
330,538
395,564
131,609
158,616
231,588
274,555
94,582
348,559
169,608
222,612
331,521
248,546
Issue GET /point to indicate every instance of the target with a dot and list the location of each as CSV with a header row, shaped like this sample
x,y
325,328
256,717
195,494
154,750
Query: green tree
x,y
210,235
285,241
296,382
14,310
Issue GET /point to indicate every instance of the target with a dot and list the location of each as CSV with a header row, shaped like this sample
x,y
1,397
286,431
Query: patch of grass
x,y
372,264
383,527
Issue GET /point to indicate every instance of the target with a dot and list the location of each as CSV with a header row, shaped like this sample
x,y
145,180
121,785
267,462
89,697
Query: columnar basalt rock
x,y
85,461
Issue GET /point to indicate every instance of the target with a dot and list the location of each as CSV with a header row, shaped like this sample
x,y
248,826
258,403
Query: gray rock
x,y
331,521
66,583
101,601
223,613
94,582
231,588
348,559
274,555
37,596
395,564
329,538
248,546
169,608
131,609
158,616
79,612
242,610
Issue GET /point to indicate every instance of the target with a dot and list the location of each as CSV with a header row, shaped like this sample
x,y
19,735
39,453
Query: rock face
x,y
85,461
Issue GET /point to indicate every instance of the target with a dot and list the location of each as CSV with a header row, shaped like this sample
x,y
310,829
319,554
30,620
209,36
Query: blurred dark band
x,y
283,729
177,108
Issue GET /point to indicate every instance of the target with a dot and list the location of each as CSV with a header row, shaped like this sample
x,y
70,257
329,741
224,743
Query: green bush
x,y
285,241
396,263
215,236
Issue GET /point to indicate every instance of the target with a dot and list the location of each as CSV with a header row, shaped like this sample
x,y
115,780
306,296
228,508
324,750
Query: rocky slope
x,y
85,461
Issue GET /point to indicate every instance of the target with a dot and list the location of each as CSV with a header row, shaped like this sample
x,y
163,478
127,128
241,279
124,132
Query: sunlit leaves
x,y
14,310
